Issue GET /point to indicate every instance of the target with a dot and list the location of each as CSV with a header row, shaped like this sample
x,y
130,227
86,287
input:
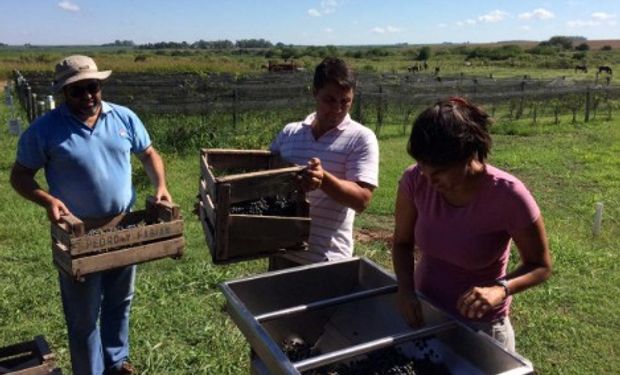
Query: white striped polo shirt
x,y
349,151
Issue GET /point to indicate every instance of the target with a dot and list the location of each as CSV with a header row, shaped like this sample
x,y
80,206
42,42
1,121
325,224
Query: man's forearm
x,y
154,167
26,186
346,192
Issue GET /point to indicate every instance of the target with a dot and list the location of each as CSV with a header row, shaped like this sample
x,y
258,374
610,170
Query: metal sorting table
x,y
345,309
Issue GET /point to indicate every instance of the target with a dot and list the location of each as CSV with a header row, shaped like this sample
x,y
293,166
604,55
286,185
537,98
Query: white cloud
x,y
328,30
539,14
328,6
582,23
493,16
526,28
602,16
69,6
387,29
442,25
314,13
468,21
596,19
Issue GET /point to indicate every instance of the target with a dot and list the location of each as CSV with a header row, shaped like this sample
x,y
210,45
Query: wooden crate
x,y
236,237
83,247
28,358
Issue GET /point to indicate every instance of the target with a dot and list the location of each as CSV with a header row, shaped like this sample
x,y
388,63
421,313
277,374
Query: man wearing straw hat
x,y
85,148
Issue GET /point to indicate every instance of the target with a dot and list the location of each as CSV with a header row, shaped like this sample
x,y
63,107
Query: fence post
x,y
521,101
588,104
50,104
234,108
379,111
40,108
358,108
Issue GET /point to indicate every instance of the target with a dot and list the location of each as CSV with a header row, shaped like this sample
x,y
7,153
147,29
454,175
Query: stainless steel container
x,y
345,310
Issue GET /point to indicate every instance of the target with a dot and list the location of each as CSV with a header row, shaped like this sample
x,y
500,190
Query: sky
x,y
304,22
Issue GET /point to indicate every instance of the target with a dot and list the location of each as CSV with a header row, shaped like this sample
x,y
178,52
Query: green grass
x,y
179,324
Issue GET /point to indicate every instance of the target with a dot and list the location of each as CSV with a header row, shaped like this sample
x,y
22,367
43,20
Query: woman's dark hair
x,y
333,70
450,131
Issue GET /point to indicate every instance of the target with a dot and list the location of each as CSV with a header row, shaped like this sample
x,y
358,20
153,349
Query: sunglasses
x,y
78,91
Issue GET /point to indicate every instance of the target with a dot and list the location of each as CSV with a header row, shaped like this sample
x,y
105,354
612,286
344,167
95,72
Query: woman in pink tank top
x,y
462,214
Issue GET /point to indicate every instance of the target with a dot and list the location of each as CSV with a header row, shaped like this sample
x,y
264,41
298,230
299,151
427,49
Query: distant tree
x,y
424,54
583,47
606,47
253,43
579,56
355,54
3,45
564,42
289,52
216,44
545,49
500,53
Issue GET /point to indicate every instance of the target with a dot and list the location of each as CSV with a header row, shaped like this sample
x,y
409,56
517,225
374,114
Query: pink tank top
x,y
466,246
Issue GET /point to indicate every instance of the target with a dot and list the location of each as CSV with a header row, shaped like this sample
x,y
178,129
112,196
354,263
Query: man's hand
x,y
162,194
477,301
55,209
311,178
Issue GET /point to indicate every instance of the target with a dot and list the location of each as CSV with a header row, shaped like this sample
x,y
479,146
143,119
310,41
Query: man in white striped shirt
x,y
342,158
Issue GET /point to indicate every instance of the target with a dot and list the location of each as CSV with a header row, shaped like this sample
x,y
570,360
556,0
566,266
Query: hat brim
x,y
80,77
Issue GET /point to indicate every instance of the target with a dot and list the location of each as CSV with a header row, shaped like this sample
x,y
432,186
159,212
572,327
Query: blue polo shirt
x,y
89,170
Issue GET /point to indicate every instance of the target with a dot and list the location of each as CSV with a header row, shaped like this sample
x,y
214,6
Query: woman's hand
x,y
409,306
477,301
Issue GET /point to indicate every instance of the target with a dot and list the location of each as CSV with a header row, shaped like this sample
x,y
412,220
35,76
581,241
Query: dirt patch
x,y
365,235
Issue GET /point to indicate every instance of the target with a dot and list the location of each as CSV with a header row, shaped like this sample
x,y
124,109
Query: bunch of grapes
x,y
278,205
388,361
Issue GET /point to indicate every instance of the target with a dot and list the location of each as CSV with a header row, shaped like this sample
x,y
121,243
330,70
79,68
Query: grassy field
x,y
389,59
179,324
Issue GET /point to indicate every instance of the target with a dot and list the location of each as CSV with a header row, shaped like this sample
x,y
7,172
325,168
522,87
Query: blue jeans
x,y
104,297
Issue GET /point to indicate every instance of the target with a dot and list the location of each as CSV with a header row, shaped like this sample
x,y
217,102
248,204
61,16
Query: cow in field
x,y
581,68
604,68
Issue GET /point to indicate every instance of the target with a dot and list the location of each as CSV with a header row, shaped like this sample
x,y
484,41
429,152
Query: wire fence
x,y
381,99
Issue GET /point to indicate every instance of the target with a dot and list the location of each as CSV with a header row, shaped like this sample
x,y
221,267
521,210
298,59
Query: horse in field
x,y
414,68
582,68
604,68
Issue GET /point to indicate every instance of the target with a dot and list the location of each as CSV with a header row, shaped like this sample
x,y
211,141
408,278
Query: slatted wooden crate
x,y
83,247
255,174
28,358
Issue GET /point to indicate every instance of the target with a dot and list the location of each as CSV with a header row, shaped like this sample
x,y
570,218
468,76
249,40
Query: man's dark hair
x,y
450,131
334,70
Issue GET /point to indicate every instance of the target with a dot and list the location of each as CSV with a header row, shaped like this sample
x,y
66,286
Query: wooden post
x,y
521,101
234,108
50,103
28,100
358,109
379,111
40,108
588,104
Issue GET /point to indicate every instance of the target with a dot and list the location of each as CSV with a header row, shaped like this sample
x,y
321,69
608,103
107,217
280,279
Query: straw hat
x,y
76,68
